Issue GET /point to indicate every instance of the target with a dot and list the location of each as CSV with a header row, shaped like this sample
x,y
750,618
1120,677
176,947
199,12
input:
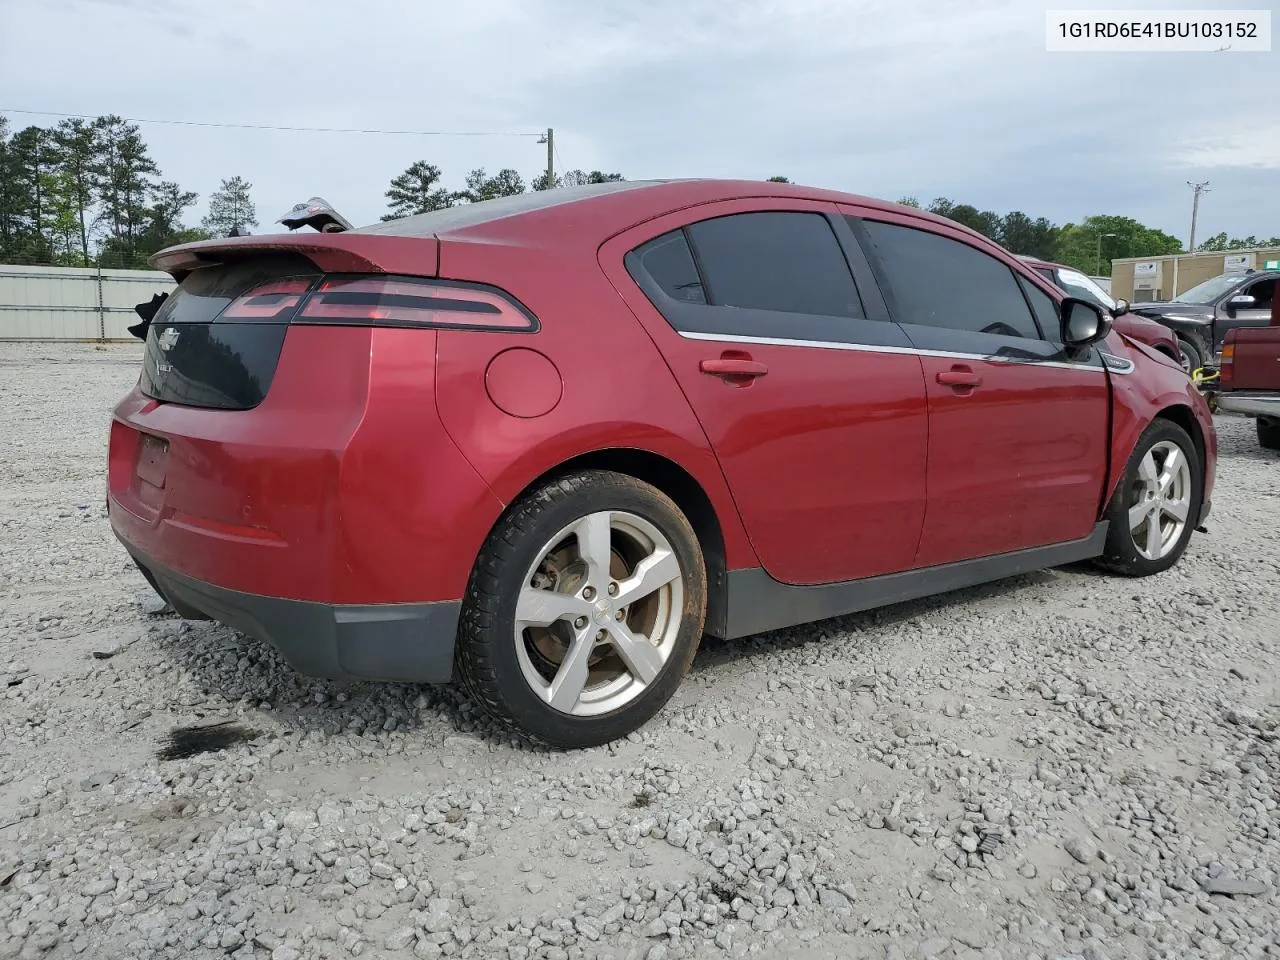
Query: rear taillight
x,y
1226,366
412,302
273,300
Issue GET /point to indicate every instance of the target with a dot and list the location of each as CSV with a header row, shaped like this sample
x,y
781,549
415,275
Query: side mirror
x,y
1121,308
1083,323
1241,300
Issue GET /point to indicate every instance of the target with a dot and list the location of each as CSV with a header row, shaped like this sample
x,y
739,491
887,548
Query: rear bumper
x,y
411,642
1252,404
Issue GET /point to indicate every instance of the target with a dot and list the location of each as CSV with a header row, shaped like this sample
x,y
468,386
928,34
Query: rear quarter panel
x,y
615,390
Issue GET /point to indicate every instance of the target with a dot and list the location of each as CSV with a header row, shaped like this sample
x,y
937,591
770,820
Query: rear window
x,y
196,357
776,260
206,292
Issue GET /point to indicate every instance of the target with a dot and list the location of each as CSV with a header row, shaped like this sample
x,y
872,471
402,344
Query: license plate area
x,y
153,456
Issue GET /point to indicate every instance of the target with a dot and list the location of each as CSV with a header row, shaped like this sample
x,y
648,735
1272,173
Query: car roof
x,y
603,209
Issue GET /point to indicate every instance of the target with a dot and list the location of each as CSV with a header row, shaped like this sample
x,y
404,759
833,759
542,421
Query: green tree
x,y
62,219
417,190
481,186
164,219
1215,244
985,222
1035,238
941,206
78,146
576,178
27,159
8,201
1221,242
1078,243
123,177
909,202
777,180
231,208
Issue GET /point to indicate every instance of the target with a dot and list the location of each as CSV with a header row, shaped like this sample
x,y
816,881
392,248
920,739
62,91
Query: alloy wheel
x,y
599,613
1160,500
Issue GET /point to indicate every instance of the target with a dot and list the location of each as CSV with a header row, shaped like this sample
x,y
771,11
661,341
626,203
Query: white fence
x,y
73,303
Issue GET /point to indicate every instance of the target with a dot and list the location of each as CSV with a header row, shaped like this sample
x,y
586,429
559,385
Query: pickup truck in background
x,y
1249,379
1203,315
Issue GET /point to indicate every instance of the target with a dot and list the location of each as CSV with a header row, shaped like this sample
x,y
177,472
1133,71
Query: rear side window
x,y
774,260
669,261
940,282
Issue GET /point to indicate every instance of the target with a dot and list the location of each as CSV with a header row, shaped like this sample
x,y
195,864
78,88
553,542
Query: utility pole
x,y
1197,189
549,138
1098,260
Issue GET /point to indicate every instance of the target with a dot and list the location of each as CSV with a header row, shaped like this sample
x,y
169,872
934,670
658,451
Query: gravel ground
x,y
1057,766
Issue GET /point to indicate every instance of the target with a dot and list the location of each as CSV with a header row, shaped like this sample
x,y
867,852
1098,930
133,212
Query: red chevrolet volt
x,y
545,443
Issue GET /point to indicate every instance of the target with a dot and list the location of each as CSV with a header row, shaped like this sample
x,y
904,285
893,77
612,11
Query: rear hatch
x,y
261,448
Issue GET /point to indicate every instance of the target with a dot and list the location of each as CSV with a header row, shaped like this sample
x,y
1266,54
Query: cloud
x,y
882,97
1257,147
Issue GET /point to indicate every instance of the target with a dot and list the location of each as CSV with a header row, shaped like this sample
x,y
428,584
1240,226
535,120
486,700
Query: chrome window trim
x,y
913,351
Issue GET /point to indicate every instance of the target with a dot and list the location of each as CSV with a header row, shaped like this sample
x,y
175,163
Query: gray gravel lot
x,y
1059,765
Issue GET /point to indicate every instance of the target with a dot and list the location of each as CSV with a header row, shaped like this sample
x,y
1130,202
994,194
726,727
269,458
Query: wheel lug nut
x,y
600,634
580,622
613,589
621,615
588,593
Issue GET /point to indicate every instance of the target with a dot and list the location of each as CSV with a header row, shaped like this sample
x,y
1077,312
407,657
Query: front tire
x,y
1269,433
1156,506
584,610
1192,355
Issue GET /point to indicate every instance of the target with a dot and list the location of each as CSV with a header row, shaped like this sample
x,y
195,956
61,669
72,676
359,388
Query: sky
x,y
885,98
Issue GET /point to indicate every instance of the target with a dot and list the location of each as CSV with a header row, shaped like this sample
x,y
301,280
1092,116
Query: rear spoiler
x,y
330,252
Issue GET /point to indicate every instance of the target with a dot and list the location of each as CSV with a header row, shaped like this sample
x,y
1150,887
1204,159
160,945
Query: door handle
x,y
960,377
734,368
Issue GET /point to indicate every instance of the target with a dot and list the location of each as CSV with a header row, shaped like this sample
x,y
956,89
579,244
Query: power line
x,y
266,126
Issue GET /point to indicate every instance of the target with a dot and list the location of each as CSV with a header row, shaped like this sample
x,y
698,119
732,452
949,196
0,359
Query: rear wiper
x,y
147,312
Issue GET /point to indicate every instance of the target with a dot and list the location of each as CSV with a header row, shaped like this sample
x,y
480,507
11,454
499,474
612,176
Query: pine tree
x,y
78,145
415,191
481,186
122,177
230,208
27,158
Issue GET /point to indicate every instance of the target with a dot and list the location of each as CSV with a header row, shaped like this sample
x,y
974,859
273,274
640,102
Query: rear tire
x,y
584,610
1269,433
1162,486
